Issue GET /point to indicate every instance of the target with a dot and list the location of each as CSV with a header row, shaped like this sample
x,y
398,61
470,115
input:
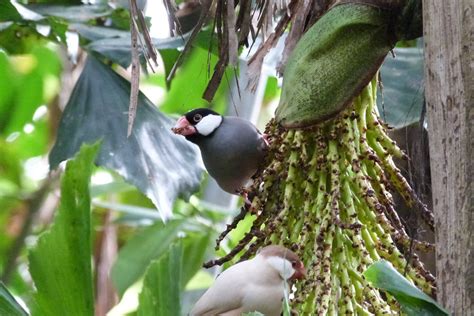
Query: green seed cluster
x,y
325,195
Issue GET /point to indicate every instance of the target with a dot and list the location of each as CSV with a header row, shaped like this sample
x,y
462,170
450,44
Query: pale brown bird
x,y
257,284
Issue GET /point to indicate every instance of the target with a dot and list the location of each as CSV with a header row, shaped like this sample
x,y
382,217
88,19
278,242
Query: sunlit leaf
x,y
412,300
20,39
197,69
60,263
145,246
45,65
161,293
403,88
7,88
159,163
8,305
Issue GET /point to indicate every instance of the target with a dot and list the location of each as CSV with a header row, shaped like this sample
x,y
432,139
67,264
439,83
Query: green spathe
x,y
332,63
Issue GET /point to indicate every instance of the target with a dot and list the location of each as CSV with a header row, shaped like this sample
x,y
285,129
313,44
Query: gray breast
x,y
233,153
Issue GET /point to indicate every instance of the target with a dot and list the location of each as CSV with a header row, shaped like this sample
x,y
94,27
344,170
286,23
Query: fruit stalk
x,y
325,195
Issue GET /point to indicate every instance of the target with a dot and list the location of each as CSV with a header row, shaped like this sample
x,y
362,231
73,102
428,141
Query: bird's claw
x,y
266,138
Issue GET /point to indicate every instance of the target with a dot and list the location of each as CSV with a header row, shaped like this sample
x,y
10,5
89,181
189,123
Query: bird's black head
x,y
195,116
198,124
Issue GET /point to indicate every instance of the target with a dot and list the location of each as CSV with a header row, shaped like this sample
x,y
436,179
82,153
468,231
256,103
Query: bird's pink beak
x,y
183,127
300,272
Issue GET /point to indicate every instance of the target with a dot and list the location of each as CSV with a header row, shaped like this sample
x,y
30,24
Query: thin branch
x,y
135,80
33,203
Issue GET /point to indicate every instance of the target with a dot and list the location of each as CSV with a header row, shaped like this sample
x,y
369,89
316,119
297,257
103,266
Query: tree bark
x,y
449,62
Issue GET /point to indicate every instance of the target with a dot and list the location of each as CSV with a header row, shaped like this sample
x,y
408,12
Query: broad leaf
x,y
161,293
139,251
403,88
159,163
412,300
8,305
93,33
60,263
118,49
78,13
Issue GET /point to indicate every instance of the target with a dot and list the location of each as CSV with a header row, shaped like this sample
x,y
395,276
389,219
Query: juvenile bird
x,y
257,284
231,148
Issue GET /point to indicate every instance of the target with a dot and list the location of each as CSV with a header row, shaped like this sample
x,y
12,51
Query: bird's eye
x,y
294,264
197,117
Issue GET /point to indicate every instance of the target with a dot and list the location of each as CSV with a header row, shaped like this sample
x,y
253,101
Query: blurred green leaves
x,y
412,300
27,82
60,263
161,293
140,250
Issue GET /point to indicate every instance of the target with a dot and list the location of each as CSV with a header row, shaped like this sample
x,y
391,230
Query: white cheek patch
x,y
283,266
208,124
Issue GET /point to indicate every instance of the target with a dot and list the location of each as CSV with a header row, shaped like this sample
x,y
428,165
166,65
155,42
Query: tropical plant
x,y
324,191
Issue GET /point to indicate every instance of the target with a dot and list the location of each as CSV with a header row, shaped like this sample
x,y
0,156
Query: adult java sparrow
x,y
231,148
257,284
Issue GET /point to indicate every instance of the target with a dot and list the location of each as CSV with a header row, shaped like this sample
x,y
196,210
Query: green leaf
x,y
31,86
197,68
20,39
77,13
162,165
8,12
60,263
195,246
403,89
412,300
8,305
161,293
58,29
145,246
169,57
118,49
7,88
93,33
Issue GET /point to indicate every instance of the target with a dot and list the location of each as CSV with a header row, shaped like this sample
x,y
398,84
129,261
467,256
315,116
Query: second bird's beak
x,y
300,273
183,127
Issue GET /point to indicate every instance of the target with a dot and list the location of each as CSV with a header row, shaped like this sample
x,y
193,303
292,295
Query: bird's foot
x,y
266,138
247,200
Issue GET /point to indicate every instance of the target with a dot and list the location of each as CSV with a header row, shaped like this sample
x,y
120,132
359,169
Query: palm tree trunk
x,y
449,72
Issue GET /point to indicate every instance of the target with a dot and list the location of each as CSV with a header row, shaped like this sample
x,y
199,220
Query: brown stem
x,y
34,203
